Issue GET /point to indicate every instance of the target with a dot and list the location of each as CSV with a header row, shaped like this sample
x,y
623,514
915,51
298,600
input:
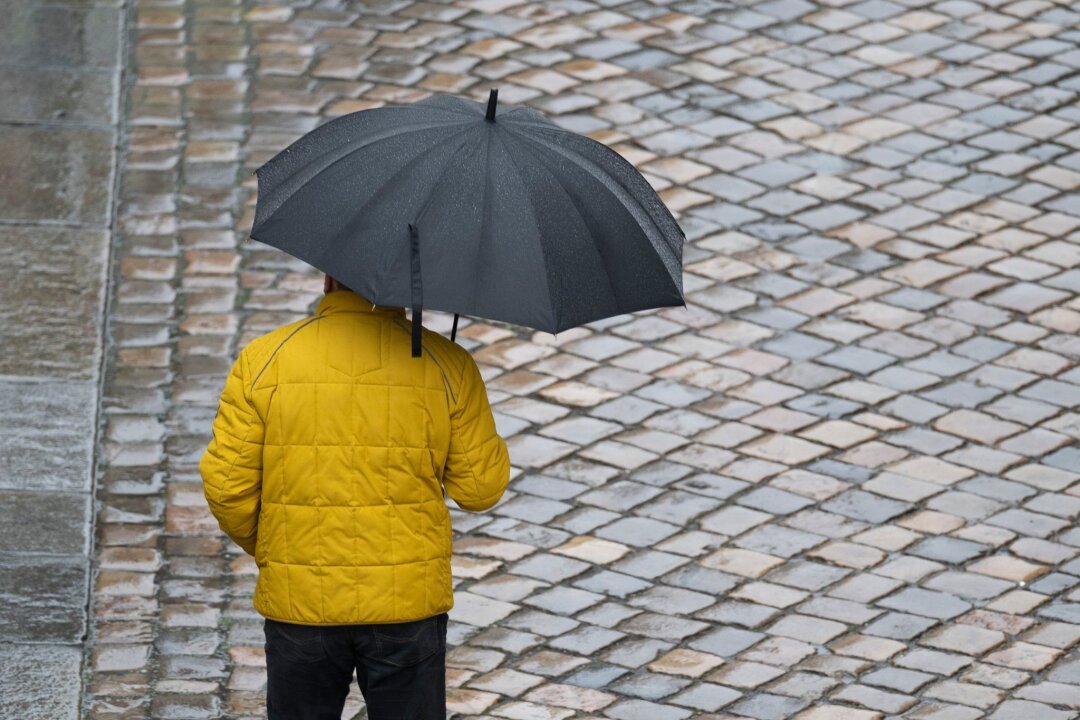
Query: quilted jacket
x,y
331,451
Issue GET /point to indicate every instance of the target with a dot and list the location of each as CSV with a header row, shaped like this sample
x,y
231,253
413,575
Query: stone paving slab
x,y
44,598
841,484
47,434
38,522
35,689
48,184
77,34
50,94
52,296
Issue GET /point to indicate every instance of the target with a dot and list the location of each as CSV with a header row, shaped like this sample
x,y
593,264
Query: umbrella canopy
x,y
452,206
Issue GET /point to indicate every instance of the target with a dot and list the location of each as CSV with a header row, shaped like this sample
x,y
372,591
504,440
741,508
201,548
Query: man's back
x,y
331,449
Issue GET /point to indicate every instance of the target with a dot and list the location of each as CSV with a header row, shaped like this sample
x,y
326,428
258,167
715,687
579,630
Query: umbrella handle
x,y
453,330
417,292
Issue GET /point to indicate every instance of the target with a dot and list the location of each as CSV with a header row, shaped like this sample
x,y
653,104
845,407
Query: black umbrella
x,y
440,204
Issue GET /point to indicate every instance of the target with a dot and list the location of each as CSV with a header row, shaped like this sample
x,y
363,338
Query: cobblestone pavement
x,y
839,485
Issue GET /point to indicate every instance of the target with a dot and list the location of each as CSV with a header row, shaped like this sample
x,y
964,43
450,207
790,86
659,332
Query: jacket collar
x,y
347,301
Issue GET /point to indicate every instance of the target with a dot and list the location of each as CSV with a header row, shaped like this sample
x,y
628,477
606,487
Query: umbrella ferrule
x,y
493,99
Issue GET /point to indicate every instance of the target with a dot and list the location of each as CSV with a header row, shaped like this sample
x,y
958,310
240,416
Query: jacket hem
x,y
336,624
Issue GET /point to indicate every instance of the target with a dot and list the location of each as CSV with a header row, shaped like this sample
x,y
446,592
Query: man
x,y
332,448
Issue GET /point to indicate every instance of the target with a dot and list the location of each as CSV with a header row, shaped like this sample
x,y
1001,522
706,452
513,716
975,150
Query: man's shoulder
x,y
259,350
451,356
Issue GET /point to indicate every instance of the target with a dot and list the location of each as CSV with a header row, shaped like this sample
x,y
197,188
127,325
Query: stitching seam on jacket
x,y
280,345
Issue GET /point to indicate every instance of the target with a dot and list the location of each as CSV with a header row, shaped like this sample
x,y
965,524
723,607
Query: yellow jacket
x,y
332,447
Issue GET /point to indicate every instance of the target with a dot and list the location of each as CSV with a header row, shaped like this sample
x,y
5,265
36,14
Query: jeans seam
x,y
285,639
426,627
322,645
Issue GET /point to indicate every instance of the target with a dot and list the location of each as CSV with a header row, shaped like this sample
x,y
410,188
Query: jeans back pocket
x,y
410,643
294,643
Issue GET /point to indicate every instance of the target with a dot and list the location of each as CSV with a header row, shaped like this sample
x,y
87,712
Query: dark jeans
x,y
401,669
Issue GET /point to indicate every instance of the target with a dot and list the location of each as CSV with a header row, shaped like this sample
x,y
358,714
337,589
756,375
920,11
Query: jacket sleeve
x,y
231,468
477,467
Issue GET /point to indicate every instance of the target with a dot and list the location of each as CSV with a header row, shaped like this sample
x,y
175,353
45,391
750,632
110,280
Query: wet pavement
x,y
59,76
840,485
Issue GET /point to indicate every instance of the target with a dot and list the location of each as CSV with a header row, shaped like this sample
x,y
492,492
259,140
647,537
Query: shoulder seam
x,y
280,345
446,379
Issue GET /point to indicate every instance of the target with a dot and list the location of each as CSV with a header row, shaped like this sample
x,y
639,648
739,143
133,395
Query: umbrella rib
x,y
587,164
621,193
663,215
397,173
542,162
358,213
539,235
608,178
485,208
301,177
438,182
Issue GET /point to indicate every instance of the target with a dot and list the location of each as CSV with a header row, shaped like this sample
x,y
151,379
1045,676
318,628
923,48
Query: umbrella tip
x,y
493,98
